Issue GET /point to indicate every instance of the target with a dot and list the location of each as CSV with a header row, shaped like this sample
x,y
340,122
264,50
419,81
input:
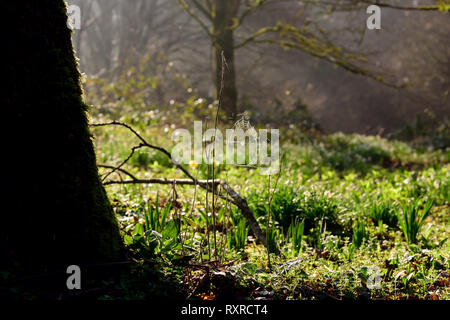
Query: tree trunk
x,y
224,41
56,211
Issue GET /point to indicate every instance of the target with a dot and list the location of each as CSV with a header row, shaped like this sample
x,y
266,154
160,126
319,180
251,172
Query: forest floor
x,y
354,217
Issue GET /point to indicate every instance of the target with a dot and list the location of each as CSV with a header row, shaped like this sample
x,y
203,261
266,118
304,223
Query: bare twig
x,y
144,143
214,151
270,195
114,169
118,169
207,198
268,224
192,210
225,222
236,198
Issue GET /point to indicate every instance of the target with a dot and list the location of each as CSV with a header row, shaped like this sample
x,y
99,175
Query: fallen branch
x,y
208,185
236,198
163,181
117,169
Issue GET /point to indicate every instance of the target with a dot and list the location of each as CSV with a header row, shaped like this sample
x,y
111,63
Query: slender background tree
x,y
223,20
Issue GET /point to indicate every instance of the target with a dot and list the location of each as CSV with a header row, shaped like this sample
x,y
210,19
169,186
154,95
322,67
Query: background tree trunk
x,y
224,41
57,211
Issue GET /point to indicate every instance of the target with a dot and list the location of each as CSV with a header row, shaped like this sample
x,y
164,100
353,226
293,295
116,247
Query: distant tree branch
x,y
202,24
250,7
291,37
202,9
257,34
441,6
208,4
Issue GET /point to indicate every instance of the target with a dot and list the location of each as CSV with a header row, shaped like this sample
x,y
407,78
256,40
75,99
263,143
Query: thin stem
x,y
268,225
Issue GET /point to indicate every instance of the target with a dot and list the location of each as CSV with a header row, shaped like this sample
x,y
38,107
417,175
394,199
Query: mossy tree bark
x,y
56,210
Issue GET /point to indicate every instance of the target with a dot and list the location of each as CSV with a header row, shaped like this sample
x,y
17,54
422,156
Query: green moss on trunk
x,y
57,211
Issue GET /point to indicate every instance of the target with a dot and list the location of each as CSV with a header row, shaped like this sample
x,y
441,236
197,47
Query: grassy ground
x,y
354,217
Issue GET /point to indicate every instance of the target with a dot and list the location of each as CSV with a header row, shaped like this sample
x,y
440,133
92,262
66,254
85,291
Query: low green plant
x,y
295,236
353,152
411,218
359,233
154,218
383,212
318,235
272,238
237,238
289,204
350,254
148,243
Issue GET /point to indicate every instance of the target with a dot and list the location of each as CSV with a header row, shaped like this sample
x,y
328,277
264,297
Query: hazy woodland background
x,y
413,49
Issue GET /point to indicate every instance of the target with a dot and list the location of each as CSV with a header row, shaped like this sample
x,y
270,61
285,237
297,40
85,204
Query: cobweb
x,y
244,122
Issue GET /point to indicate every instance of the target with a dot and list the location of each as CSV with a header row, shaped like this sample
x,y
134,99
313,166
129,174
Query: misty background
x,y
160,40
